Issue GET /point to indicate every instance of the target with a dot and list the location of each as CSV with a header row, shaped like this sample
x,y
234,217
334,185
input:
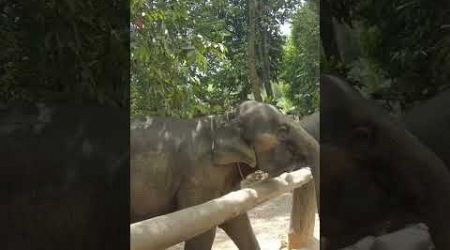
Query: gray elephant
x,y
430,122
311,124
376,176
180,163
65,177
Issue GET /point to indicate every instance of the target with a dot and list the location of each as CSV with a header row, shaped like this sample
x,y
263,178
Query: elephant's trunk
x,y
368,140
311,124
312,148
423,176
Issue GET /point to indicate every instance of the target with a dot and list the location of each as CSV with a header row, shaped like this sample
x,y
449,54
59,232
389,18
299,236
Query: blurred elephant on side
x,y
430,122
180,163
376,176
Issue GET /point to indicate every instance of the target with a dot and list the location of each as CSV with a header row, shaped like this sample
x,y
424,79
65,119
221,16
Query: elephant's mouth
x,y
299,165
291,168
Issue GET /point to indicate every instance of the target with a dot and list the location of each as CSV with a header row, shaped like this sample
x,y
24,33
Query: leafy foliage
x,y
83,57
172,47
301,61
189,58
405,53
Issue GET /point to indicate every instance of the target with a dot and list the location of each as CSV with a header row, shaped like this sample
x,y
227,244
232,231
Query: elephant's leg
x,y
203,241
241,232
191,195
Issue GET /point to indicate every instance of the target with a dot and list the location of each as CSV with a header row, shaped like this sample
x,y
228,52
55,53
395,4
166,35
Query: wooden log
x,y
167,230
303,217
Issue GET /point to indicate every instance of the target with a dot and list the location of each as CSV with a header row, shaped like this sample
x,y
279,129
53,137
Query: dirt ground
x,y
270,222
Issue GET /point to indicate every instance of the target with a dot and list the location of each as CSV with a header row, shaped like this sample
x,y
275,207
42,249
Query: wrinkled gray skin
x,y
430,122
64,176
311,124
180,163
373,171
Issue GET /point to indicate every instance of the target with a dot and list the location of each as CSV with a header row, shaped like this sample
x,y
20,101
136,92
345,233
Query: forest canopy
x,y
191,58
64,52
395,51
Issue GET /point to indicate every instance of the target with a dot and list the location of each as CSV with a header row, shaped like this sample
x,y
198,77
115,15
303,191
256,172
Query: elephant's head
x,y
262,137
373,170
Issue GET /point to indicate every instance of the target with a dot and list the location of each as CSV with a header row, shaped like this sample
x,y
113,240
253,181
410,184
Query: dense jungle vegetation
x,y
190,58
64,51
397,52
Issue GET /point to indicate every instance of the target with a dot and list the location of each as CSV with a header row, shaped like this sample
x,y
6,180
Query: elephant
x,y
311,124
65,176
430,123
179,163
376,176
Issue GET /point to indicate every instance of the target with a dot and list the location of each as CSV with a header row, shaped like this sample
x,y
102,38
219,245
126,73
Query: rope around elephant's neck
x,y
217,122
213,127
240,170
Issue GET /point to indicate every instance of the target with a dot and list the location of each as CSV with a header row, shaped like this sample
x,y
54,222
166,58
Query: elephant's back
x,y
430,122
157,134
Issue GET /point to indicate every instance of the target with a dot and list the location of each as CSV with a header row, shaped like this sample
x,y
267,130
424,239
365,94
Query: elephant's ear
x,y
229,147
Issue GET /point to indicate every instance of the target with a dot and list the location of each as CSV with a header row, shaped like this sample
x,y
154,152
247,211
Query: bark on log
x,y
167,230
303,217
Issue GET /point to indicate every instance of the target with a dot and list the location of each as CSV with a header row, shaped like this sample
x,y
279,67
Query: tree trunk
x,y
327,31
167,230
266,63
263,49
252,60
